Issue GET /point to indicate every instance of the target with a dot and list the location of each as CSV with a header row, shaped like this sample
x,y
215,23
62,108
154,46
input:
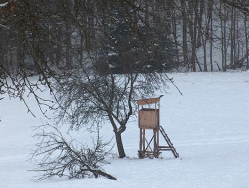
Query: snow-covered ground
x,y
208,125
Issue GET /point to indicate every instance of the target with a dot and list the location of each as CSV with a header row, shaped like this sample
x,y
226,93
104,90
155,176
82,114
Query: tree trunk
x,y
210,24
222,38
225,44
120,146
184,31
232,40
210,30
81,49
68,47
59,47
118,137
211,45
174,29
204,42
235,40
247,46
193,12
200,33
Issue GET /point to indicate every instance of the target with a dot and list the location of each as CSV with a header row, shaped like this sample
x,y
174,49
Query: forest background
x,y
202,35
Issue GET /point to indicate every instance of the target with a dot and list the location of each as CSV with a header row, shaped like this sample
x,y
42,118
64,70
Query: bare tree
x,y
241,5
57,156
87,99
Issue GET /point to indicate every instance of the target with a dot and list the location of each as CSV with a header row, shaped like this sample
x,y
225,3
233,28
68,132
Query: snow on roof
x,y
4,4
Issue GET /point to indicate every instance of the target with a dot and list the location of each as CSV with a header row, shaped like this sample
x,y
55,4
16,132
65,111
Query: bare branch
x,y
60,158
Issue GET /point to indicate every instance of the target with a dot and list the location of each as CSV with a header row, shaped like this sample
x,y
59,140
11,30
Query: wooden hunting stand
x,y
148,118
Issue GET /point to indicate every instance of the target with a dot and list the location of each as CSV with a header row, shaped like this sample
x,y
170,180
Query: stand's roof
x,y
148,101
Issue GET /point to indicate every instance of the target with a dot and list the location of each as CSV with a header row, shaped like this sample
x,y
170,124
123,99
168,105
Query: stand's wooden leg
x,y
143,135
156,142
140,152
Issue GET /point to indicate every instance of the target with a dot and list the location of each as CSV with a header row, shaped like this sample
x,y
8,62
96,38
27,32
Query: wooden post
x,y
143,130
140,144
155,143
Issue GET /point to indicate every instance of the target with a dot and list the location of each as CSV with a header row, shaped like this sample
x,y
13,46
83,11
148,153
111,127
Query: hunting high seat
x,y
149,119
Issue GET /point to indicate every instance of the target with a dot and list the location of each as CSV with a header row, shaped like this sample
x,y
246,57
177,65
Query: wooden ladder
x,y
170,146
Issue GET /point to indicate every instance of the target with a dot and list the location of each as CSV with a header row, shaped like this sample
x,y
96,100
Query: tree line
x,y
66,34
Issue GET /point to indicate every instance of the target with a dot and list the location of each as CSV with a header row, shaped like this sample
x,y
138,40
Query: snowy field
x,y
208,125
